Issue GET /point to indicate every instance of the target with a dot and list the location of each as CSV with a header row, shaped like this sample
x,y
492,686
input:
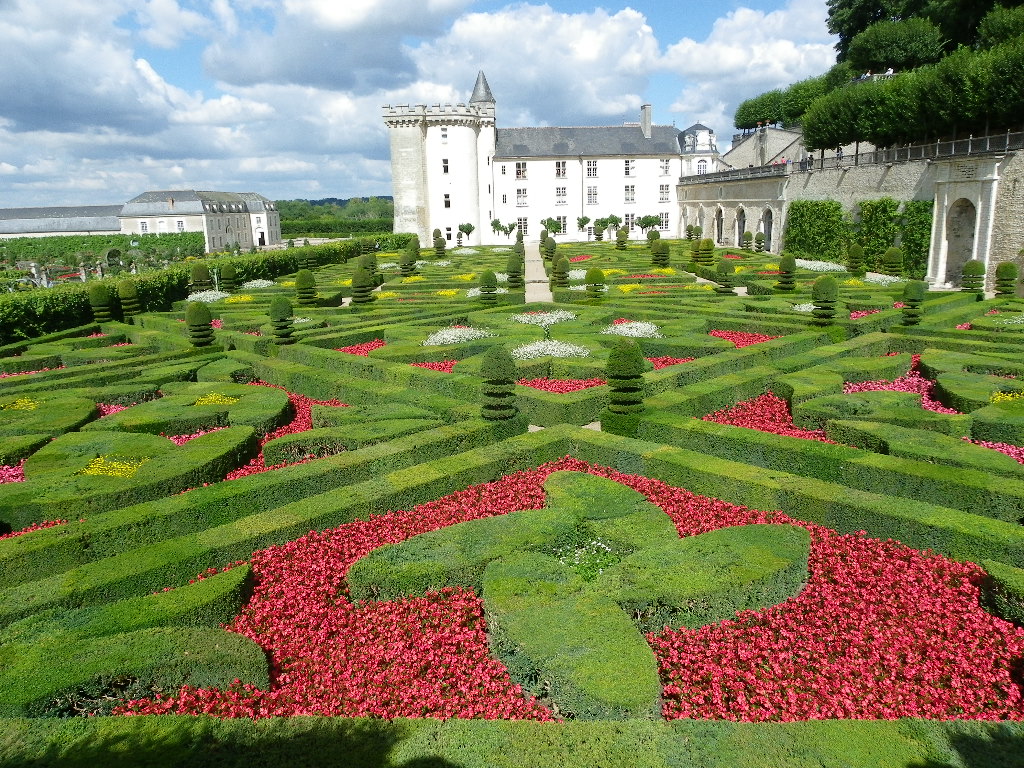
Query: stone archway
x,y
767,222
961,221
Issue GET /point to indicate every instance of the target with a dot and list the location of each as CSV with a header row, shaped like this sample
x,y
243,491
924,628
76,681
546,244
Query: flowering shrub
x,y
640,276
106,409
879,631
445,366
364,349
465,276
664,271
543,319
216,398
548,348
766,413
877,279
640,329
665,362
1017,319
182,439
1015,452
630,287
698,287
576,274
741,339
805,307
114,466
455,335
561,386
387,294
472,293
413,279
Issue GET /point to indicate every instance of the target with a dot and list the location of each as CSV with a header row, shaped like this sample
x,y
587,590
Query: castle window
x,y
591,168
447,201
447,233
630,167
521,196
522,224
666,166
663,193
630,196
503,169
663,224
559,195
504,199
181,225
559,169
520,170
143,227
630,221
591,195
444,135
444,165
702,167
562,223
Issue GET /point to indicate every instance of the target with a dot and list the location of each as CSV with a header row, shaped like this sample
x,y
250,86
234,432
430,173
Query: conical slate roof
x,y
481,91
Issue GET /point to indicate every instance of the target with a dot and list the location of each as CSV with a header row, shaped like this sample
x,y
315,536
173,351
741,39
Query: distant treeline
x,y
334,227
336,208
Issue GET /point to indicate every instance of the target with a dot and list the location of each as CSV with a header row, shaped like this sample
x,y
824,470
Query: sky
x,y
103,100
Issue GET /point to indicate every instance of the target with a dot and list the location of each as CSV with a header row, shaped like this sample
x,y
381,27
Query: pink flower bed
x,y
363,349
858,314
561,386
770,272
581,257
182,439
29,373
444,366
879,631
638,277
913,382
12,473
963,327
731,256
33,527
665,362
766,413
217,323
652,293
741,339
106,409
898,305
1015,452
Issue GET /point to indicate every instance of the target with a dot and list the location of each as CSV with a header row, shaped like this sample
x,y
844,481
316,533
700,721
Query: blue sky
x,y
101,101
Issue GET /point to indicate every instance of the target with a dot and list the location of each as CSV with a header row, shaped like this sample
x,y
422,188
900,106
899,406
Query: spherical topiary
x,y
892,262
499,388
99,300
724,272
759,242
973,277
305,289
787,273
488,287
621,236
200,278
543,235
748,240
560,273
625,375
824,294
228,278
595,283
1006,278
705,253
689,231
514,267
855,260
199,323
653,235
362,288
129,294
659,253
281,321
439,245
913,298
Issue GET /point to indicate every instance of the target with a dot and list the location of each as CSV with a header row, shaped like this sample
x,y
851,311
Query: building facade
x,y
451,165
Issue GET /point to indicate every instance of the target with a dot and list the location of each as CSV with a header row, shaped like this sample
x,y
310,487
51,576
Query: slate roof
x,y
597,141
80,218
481,91
170,202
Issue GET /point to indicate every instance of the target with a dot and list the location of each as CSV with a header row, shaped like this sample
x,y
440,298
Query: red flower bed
x,y
879,631
445,366
363,349
561,386
638,277
766,413
741,339
664,362
33,527
731,256
29,373
770,272
581,257
652,293
858,314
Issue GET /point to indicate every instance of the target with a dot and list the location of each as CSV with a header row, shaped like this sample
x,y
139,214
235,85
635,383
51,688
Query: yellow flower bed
x,y
1005,397
387,294
853,282
113,466
216,398
630,287
242,298
613,272
287,283
698,287
467,276
661,271
769,267
448,292
413,279
21,404
345,282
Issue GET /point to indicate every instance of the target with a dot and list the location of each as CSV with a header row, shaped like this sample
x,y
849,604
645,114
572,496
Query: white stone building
x,y
451,165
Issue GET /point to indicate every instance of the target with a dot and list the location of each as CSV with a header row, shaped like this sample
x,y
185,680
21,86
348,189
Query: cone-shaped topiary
x,y
281,321
515,268
787,274
228,278
759,242
560,273
499,387
488,287
973,277
625,375
362,288
199,323
99,300
544,235
596,287
724,278
913,298
129,294
855,260
549,249
621,236
824,294
200,278
1006,278
305,289
892,262
519,249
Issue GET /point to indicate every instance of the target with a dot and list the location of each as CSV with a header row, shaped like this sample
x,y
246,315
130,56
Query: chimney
x,y
645,120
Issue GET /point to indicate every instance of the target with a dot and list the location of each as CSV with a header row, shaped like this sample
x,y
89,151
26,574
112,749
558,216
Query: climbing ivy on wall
x,y
916,235
817,229
876,228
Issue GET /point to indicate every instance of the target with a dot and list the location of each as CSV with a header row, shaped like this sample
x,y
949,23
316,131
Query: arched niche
x,y
961,222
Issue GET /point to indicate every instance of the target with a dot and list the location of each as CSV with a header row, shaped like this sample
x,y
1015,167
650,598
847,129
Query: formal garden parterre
x,y
373,501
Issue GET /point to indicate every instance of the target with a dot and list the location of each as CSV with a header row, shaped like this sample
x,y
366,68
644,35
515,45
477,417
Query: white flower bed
x,y
544,319
637,329
576,274
819,266
601,288
474,292
500,250
882,279
258,284
208,297
465,251
548,348
455,336
808,307
1015,320
501,277
298,320
388,265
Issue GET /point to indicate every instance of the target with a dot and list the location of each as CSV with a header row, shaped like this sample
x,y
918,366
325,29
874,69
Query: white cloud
x,y
165,23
